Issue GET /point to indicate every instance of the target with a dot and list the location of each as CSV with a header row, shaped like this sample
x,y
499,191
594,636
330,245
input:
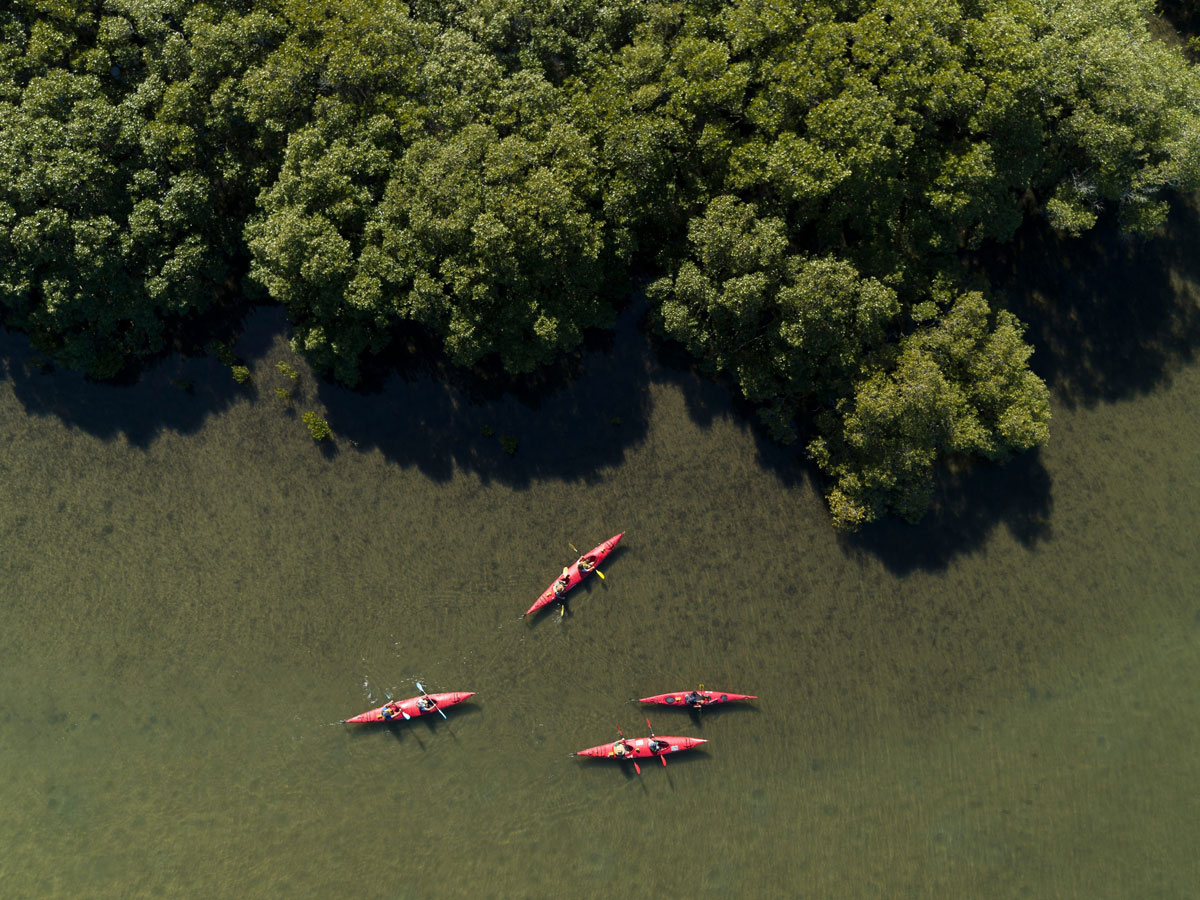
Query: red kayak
x,y
559,587
638,748
394,710
688,698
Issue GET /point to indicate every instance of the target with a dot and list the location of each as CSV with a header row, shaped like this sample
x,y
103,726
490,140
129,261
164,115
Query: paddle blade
x,y
664,761
443,715
636,767
601,574
407,717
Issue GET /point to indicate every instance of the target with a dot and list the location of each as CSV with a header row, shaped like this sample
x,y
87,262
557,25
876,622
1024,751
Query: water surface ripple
x,y
1001,702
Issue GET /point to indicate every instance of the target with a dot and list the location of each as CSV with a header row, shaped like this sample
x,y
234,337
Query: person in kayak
x,y
586,564
389,711
657,746
563,580
621,749
425,704
694,699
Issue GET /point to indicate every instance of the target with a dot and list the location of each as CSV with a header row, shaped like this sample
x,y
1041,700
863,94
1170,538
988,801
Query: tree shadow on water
x,y
969,503
567,420
174,392
971,497
1110,316
709,398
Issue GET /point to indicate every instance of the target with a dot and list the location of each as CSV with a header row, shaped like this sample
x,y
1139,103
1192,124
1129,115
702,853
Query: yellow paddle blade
x,y
601,574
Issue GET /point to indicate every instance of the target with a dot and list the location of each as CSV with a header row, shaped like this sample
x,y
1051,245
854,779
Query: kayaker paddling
x,y
564,580
573,574
394,710
699,698
653,746
389,711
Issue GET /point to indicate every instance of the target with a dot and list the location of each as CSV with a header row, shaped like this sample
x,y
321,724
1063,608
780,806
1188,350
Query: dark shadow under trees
x,y
1110,318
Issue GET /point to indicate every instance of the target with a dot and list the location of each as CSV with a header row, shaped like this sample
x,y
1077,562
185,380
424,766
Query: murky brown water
x,y
1000,702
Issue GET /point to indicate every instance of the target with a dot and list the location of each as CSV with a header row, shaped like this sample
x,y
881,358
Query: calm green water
x,y
1002,702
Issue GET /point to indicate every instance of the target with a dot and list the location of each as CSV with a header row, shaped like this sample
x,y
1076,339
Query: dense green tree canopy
x,y
797,177
125,170
787,326
957,384
451,188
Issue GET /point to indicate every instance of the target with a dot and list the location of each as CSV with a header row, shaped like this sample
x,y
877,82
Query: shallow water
x,y
1000,702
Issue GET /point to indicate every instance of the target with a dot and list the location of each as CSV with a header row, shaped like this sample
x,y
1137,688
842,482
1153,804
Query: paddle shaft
x,y
402,712
636,767
426,693
651,727
595,568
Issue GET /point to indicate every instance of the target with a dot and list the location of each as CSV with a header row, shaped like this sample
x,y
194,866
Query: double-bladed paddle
x,y
636,767
402,712
426,694
660,756
595,568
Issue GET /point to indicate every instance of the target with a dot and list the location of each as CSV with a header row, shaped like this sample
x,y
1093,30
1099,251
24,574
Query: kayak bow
x,y
596,555
396,710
